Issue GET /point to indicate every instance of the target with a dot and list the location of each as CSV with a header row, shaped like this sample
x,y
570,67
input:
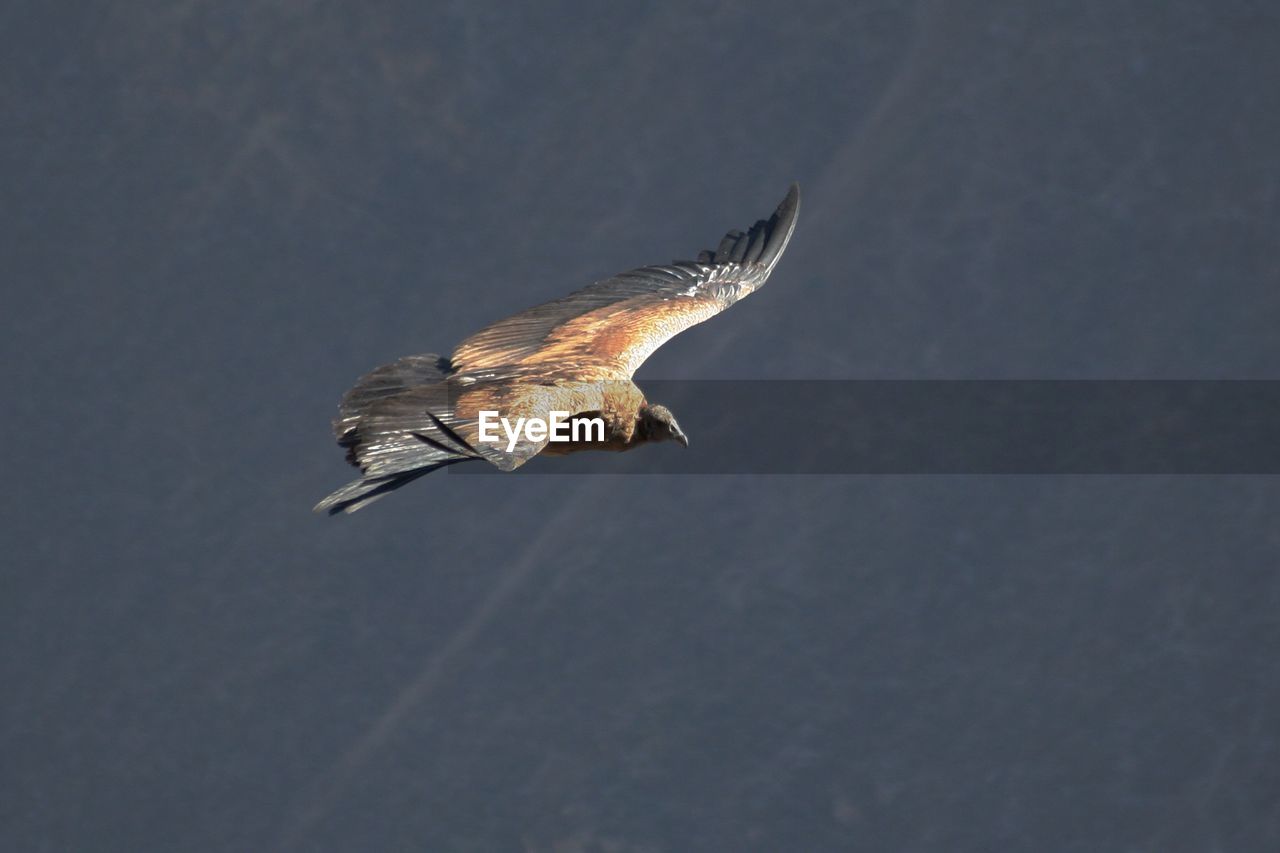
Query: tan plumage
x,y
574,354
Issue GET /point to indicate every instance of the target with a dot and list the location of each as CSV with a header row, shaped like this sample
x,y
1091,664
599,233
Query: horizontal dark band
x,y
953,427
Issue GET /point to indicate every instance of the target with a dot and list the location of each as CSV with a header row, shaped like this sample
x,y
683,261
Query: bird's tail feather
x,y
413,371
397,425
360,493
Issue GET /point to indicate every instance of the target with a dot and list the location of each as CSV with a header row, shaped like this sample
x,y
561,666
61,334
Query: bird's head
x,y
658,424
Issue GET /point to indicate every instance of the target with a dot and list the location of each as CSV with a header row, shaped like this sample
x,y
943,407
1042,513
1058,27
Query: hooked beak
x,y
680,437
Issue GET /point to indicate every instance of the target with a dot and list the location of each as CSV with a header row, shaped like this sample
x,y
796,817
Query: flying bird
x,y
573,356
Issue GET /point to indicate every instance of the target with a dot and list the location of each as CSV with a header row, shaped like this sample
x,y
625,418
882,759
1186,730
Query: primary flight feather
x,y
576,354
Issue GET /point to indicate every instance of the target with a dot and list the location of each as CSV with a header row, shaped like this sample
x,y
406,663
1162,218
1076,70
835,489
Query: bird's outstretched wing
x,y
606,330
422,413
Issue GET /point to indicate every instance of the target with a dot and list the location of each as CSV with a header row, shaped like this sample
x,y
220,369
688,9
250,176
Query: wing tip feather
x,y
781,226
764,243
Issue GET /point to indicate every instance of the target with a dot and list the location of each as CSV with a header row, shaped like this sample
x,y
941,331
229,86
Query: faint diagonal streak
x,y
320,796
857,160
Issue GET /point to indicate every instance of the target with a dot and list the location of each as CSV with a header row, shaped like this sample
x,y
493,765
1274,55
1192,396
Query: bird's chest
x,y
621,411
617,406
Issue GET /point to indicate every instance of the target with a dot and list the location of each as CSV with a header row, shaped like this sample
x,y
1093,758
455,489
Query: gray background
x,y
216,217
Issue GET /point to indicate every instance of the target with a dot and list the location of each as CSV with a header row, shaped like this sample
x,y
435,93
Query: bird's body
x,y
572,358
